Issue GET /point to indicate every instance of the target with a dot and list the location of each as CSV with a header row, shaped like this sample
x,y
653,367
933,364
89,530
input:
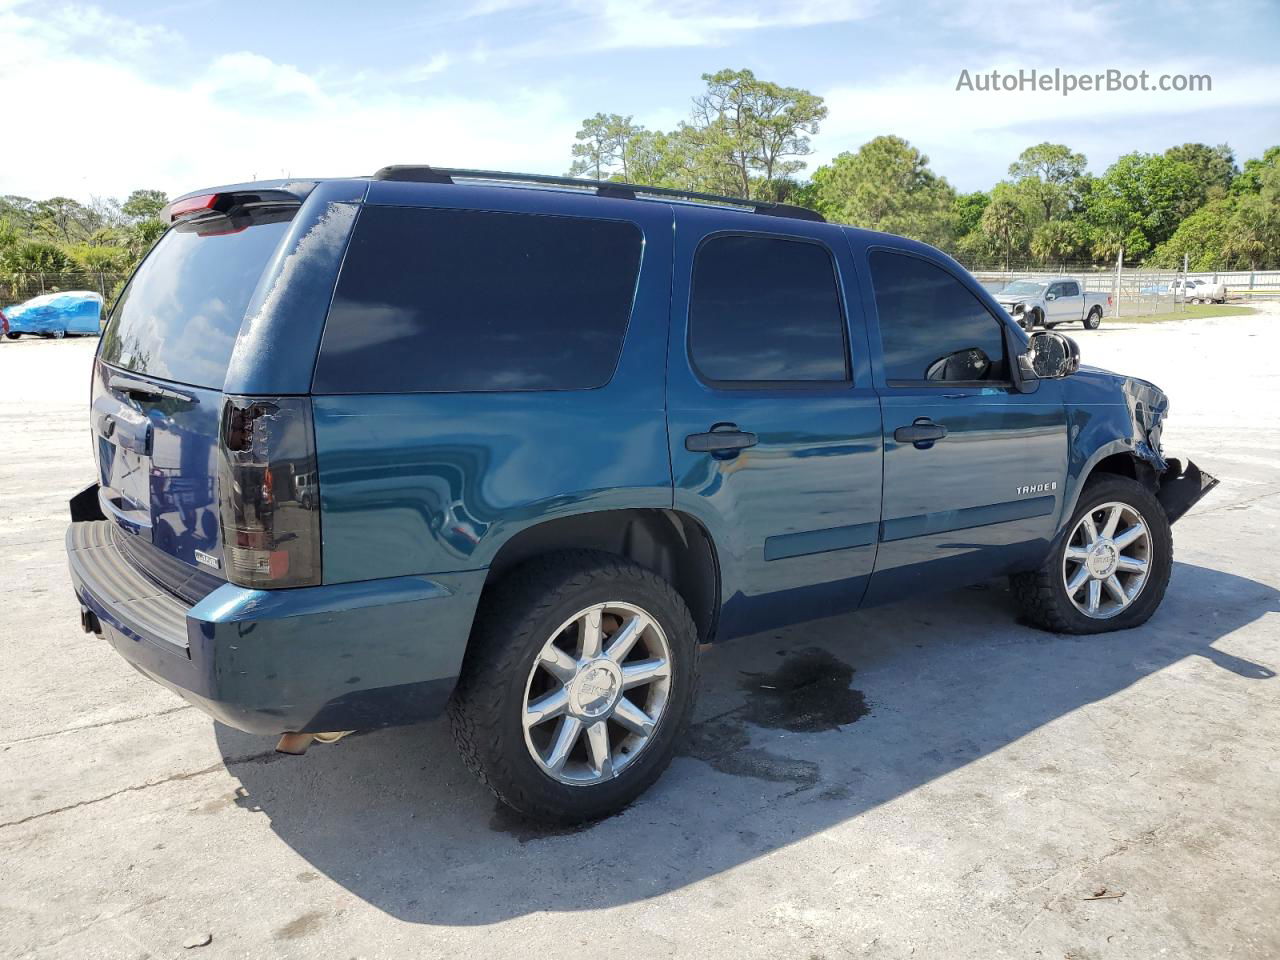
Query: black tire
x,y
1041,594
13,336
1050,326
1037,319
517,616
1093,320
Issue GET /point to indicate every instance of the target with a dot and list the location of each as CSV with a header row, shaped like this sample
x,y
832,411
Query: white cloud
x,y
565,26
103,123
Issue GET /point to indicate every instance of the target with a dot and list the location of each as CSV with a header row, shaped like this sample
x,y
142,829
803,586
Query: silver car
x,y
1047,303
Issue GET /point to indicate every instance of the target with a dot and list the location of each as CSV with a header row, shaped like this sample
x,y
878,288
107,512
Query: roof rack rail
x,y
421,173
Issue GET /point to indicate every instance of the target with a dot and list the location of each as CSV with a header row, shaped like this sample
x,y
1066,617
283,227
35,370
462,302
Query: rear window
x,y
180,314
459,300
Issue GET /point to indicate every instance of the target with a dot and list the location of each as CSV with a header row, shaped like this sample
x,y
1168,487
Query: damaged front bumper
x,y
1181,488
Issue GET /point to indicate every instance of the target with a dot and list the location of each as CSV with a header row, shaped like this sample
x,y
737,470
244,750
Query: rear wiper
x,y
142,390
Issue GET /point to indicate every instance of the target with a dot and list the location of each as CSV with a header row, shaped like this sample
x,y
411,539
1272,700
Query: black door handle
x,y
923,432
722,438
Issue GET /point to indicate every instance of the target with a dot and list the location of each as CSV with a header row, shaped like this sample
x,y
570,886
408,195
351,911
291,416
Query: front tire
x,y
579,680
1111,568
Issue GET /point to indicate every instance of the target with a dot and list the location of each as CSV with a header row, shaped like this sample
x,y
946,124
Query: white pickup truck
x,y
1201,291
1047,303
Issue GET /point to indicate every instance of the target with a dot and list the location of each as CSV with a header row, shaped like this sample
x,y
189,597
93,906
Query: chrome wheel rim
x,y
1107,560
596,693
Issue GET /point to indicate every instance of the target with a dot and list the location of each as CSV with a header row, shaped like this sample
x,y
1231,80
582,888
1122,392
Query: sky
x,y
100,99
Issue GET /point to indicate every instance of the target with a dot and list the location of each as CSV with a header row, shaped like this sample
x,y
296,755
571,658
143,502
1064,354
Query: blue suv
x,y
516,447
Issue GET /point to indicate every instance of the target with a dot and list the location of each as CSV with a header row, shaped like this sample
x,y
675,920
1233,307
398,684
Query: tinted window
x,y
180,314
457,300
931,326
1070,290
766,309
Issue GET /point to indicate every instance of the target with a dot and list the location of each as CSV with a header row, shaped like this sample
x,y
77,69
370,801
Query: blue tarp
x,y
71,311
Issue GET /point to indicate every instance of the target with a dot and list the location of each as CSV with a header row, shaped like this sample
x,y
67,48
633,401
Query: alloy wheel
x,y
1107,560
596,693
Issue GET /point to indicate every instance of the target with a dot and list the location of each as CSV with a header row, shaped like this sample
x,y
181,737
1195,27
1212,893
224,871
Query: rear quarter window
x,y
435,300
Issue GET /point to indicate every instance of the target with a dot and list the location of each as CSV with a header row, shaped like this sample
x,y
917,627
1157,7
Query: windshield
x,y
1023,287
179,317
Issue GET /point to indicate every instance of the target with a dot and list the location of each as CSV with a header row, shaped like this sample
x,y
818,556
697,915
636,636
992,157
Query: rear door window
x,y
931,326
766,310
179,317
461,300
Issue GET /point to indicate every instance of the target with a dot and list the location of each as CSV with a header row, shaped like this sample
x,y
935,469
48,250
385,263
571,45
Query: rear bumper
x,y
349,656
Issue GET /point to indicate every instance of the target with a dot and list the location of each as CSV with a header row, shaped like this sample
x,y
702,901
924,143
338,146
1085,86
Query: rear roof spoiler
x,y
239,196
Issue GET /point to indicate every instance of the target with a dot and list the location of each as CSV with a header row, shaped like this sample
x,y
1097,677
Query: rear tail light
x,y
185,208
268,493
1108,300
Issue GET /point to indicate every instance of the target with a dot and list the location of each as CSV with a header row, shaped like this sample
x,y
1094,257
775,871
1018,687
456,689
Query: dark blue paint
x,y
946,521
420,492
784,546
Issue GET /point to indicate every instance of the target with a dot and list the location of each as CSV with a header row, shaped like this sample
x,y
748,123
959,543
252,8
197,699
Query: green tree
x,y
142,237
593,154
101,259
1004,222
967,211
1202,238
19,211
27,257
755,127
1250,178
143,205
887,185
1049,173
1055,241
1139,202
63,220
1215,167
745,138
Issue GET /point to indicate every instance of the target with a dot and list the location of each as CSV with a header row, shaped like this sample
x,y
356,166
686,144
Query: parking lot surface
x,y
931,779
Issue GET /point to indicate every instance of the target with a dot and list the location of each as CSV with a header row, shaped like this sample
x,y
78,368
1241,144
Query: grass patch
x,y
1192,311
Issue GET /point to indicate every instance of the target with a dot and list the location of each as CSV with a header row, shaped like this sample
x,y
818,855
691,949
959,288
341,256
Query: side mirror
x,y
1051,296
1053,356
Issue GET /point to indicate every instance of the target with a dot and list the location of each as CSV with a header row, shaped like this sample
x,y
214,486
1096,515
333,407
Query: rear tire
x,y
530,647
1093,320
13,336
1045,596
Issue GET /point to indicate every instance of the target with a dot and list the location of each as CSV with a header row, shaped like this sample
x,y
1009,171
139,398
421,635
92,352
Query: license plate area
x,y
124,458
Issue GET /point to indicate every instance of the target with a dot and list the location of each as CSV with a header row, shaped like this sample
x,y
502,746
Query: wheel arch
x,y
670,543
1116,458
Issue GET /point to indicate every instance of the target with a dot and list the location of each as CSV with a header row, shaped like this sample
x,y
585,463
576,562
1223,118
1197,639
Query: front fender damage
x,y
1178,488
1182,488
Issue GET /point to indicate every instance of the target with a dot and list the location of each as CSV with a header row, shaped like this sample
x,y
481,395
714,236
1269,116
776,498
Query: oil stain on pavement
x,y
809,693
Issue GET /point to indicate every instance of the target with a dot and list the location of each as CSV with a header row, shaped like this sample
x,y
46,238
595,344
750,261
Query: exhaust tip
x,y
296,744
89,621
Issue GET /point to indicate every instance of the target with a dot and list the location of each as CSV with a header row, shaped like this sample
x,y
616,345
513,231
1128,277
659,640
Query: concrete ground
x,y
928,780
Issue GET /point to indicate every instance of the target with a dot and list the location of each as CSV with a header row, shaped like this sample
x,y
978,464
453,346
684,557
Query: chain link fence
x,y
1135,291
18,288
